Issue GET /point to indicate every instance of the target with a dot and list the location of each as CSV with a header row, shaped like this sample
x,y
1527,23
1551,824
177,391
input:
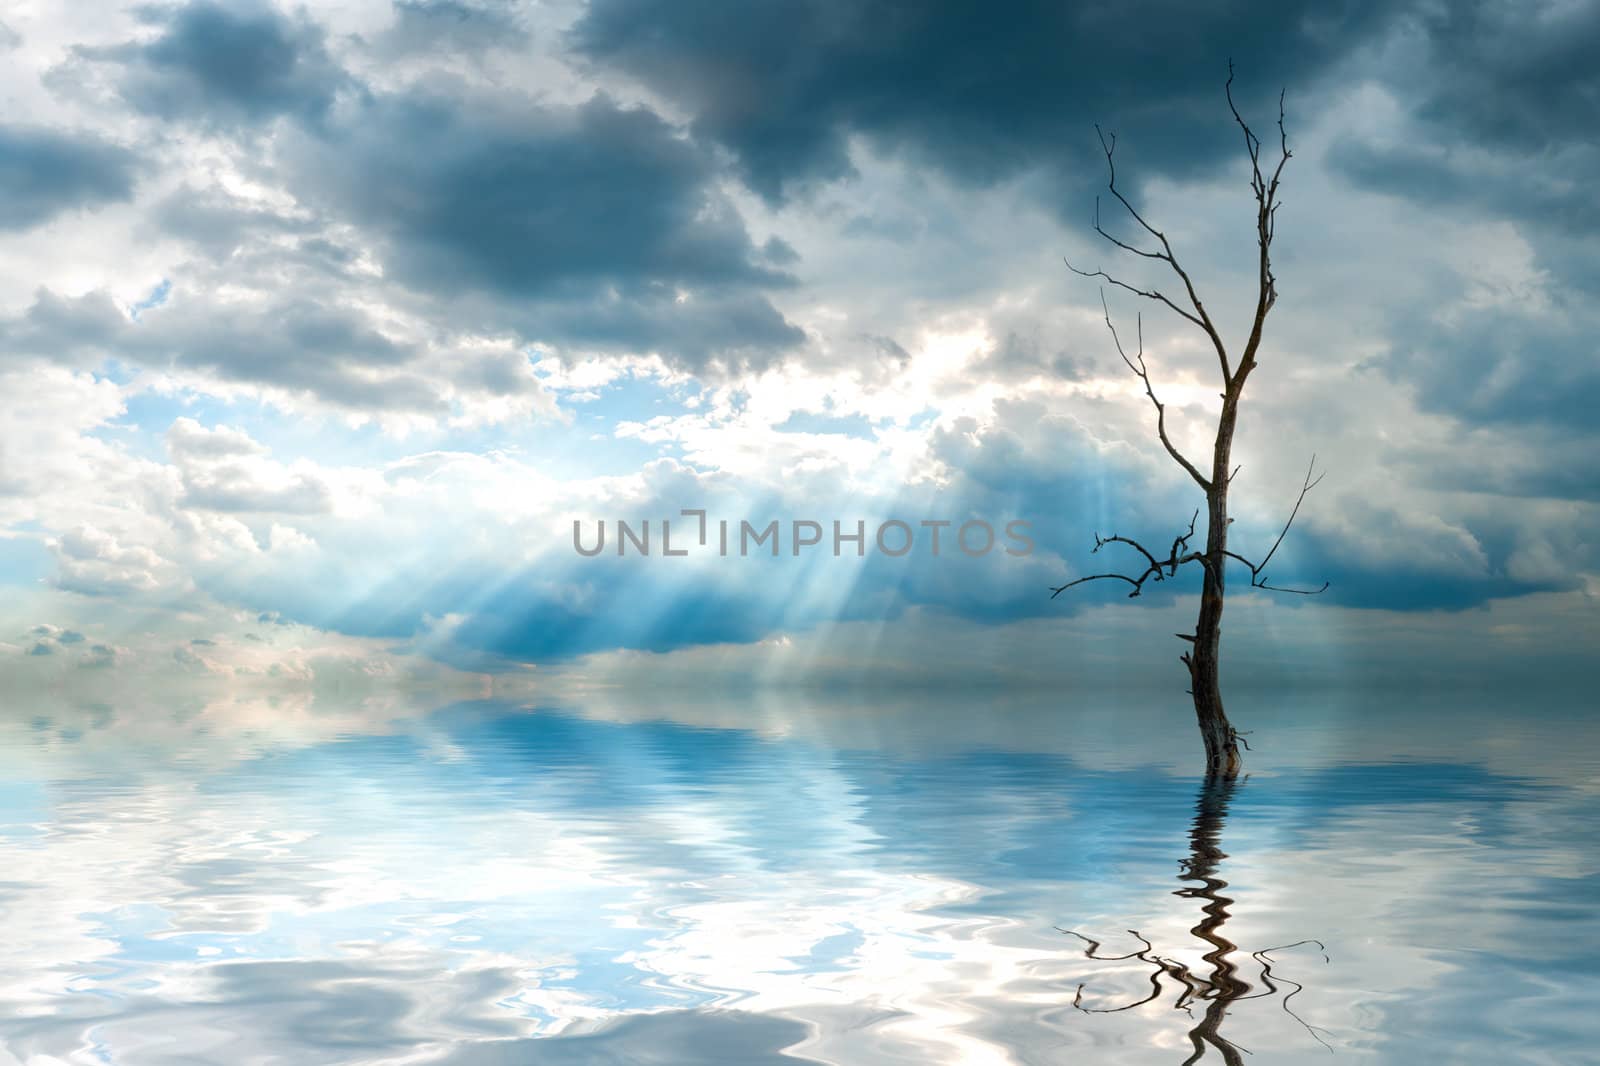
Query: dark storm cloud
x,y
226,63
44,173
1523,393
1545,461
1507,98
533,200
1506,367
590,224
1551,188
982,92
738,328
1522,76
1502,104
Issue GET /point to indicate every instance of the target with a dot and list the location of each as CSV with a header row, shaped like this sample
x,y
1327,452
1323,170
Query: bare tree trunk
x,y
1216,732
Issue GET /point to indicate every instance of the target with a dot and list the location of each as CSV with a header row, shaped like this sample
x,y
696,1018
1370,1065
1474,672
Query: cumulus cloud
x,y
341,319
95,562
224,470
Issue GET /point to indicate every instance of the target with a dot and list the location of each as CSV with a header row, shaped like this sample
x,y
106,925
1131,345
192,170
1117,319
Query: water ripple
x,y
483,883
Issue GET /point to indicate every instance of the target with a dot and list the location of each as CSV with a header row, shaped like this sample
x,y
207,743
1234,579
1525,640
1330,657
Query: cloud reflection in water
x,y
839,882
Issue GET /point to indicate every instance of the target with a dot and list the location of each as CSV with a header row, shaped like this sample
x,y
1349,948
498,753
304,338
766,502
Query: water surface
x,y
963,878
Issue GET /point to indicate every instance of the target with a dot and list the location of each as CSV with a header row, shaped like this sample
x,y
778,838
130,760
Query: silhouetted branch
x,y
1137,365
1182,541
1199,316
1138,585
1149,294
1265,191
1100,542
1305,486
1258,570
1119,242
1155,568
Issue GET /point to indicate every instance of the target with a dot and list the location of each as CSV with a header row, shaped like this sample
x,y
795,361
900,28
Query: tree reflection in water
x,y
1220,986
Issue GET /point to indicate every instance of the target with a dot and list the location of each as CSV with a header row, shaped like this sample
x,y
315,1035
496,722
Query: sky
x,y
321,326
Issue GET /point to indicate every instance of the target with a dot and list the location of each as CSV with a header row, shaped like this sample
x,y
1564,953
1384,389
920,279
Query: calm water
x,y
852,880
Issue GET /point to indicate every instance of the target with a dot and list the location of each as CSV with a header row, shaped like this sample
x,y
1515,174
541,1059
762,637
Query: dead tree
x,y
1221,739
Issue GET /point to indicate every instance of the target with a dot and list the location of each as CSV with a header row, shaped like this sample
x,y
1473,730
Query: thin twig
x,y
1137,364
1199,316
1258,577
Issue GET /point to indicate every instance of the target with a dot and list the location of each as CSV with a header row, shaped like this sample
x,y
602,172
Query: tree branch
x,y
1138,585
1155,570
1121,243
1137,365
1182,541
1149,294
1266,194
1258,570
1159,569
1199,317
1100,542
